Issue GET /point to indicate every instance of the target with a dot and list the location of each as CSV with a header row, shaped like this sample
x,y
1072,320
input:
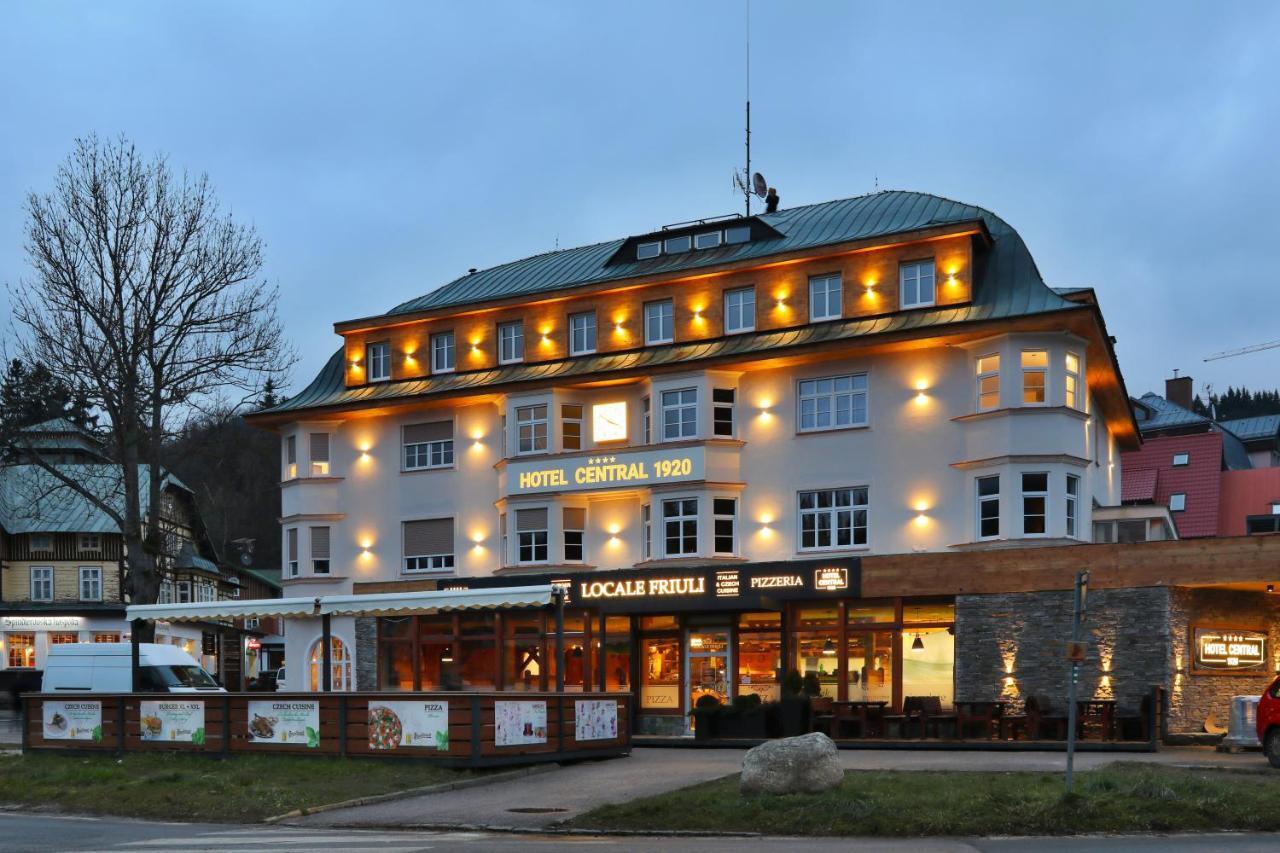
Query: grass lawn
x,y
196,788
1119,798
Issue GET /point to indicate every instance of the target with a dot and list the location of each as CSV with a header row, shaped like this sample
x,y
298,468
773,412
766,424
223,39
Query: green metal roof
x,y
1007,285
33,501
1257,428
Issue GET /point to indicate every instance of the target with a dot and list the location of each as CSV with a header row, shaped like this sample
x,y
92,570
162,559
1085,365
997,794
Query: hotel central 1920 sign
x,y
1229,651
603,470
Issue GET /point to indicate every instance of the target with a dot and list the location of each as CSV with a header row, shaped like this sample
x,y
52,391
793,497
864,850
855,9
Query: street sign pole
x,y
1077,617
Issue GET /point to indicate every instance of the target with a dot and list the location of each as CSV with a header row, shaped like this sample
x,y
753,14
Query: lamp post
x,y
1075,653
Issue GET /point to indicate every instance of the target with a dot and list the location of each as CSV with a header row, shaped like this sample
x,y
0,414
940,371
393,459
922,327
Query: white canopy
x,y
232,608
439,601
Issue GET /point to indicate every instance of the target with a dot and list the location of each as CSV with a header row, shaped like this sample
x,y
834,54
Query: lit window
x,y
531,426
291,457
90,583
722,420
833,402
917,280
646,531
1035,500
677,244
1180,459
582,333
707,240
1035,368
989,382
833,518
644,251
22,650
989,507
319,454
292,536
824,297
531,535
739,310
378,357
510,342
724,521
442,352
320,550
1073,503
1072,380
1177,502
42,583
428,445
575,526
428,545
571,426
679,414
680,527
659,322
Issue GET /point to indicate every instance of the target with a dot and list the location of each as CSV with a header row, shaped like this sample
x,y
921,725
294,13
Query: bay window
x,y
1035,369
1035,499
724,521
680,527
989,382
531,429
531,535
1072,364
679,414
575,526
989,507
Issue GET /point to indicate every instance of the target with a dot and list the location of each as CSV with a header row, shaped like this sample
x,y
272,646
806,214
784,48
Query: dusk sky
x,y
381,149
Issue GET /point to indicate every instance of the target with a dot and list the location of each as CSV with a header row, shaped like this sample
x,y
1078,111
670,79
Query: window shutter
x,y
531,519
422,433
291,450
319,447
575,518
319,543
433,536
293,543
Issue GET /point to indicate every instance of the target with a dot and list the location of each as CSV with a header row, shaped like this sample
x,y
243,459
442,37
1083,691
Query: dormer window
x,y
510,342
379,358
645,251
708,240
917,280
672,245
740,234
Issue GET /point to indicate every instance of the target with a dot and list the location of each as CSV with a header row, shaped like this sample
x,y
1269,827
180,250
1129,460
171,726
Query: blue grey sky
x,y
383,148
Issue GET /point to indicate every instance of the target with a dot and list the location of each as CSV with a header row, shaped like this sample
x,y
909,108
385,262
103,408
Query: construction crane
x,y
1232,353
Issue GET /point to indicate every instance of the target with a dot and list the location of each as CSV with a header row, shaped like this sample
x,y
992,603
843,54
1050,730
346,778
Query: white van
x,y
106,668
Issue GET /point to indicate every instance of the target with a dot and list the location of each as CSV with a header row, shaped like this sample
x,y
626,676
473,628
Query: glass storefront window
x,y
818,617
106,637
659,623
523,652
817,653
660,674
869,662
928,666
22,650
871,612
928,612
60,639
436,666
617,653
760,655
395,666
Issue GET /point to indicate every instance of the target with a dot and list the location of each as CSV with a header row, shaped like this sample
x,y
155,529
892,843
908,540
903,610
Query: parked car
x,y
1269,722
107,668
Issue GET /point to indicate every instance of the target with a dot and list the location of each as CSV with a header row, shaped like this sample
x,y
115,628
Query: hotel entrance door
x,y
708,664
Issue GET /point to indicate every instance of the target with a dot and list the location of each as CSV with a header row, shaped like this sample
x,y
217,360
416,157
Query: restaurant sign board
x,y
172,721
285,721
72,720
41,623
606,471
1229,651
418,725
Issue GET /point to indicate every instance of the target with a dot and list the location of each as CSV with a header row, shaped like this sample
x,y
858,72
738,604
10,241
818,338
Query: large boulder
x,y
806,764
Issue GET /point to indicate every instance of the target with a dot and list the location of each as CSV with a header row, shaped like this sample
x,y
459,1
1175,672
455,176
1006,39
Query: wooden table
x,y
988,713
1102,710
864,713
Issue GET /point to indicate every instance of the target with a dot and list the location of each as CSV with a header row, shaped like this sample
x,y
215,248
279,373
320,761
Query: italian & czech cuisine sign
x,y
1229,651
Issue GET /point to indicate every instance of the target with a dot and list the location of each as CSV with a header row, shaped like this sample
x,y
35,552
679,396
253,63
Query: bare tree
x,y
145,297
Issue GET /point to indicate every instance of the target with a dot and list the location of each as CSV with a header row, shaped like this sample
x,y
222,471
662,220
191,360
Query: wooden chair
x,y
982,716
822,715
1135,726
1042,723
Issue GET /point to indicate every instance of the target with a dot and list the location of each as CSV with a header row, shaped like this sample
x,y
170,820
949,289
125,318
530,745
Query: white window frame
x,y
990,372
659,313
377,356
184,592
645,251
913,272
826,282
444,352
1025,494
438,454
311,550
581,533
92,576
740,317
681,407
1071,381
320,467
676,245
1072,506
832,513
292,544
646,418
1185,456
291,449
715,236
421,563
532,422
582,324
981,501
566,420
45,576
1031,370
720,406
1180,499
537,540
681,518
731,518
646,531
832,398
511,342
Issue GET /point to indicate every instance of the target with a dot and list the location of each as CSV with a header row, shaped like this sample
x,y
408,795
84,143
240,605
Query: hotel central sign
x,y
1229,651
606,471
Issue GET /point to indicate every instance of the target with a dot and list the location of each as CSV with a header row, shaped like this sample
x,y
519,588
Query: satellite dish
x,y
758,185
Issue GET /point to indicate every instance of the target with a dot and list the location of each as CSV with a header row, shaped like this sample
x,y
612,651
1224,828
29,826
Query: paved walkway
x,y
544,799
10,727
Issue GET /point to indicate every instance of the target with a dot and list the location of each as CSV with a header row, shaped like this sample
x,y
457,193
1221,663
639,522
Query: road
x,y
20,833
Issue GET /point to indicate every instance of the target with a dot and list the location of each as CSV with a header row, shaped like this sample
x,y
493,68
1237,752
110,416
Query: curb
x,y
547,830
414,792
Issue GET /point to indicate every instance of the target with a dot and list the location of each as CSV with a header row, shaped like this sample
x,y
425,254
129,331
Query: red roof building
x,y
1182,472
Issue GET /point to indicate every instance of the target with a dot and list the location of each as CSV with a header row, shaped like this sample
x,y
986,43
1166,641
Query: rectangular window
x,y
824,297
672,245
63,638
1073,503
706,240
90,583
680,527
917,284
379,358
582,333
41,543
184,592
428,445
571,426
291,457
989,507
1035,368
319,454
531,534
724,520
1035,500
1177,502
646,531
1180,459
166,592
737,234
833,518
42,583
89,542
428,545
510,342
531,427
989,382
659,322
1073,380
679,414
644,251
722,419
833,402
320,550
646,417
22,650
442,352
292,535
502,539
575,527
739,310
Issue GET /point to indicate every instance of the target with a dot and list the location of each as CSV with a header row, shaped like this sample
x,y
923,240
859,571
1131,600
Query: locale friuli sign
x,y
1229,651
606,471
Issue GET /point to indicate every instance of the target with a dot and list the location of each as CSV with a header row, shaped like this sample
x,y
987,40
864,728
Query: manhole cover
x,y
536,810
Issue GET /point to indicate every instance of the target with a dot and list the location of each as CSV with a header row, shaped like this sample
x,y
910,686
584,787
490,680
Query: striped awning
x,y
438,601
203,611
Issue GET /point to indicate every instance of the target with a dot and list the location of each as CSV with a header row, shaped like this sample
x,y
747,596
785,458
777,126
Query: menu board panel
x,y
173,721
595,719
415,725
292,722
519,723
72,720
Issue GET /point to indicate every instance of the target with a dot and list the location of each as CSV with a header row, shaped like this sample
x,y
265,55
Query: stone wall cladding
x,y
1022,636
366,653
1194,698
